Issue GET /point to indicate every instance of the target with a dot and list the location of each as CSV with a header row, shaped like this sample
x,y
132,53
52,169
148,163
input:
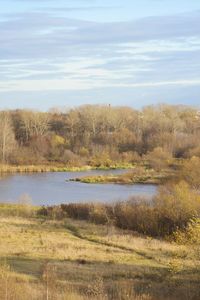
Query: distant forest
x,y
98,135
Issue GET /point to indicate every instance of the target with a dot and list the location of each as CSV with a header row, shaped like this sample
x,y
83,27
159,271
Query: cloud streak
x,y
43,51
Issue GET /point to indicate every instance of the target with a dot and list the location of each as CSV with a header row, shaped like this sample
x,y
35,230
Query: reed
x,y
9,169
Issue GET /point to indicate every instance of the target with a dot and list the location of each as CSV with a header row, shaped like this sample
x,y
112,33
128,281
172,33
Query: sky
x,y
66,53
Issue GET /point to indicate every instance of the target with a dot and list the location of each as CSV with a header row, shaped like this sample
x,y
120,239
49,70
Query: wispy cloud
x,y
43,51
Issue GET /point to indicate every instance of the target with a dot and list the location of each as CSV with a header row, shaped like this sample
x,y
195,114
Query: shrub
x,y
138,217
194,152
84,152
175,205
158,158
172,209
191,172
77,211
99,214
191,235
71,159
53,212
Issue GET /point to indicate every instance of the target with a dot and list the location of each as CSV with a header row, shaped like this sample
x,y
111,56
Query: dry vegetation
x,y
55,257
99,136
171,209
137,174
12,169
130,250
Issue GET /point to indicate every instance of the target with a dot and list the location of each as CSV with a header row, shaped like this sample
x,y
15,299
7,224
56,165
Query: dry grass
x,y
87,261
10,169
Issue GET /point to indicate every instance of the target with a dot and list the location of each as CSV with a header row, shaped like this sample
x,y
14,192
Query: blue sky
x,y
68,53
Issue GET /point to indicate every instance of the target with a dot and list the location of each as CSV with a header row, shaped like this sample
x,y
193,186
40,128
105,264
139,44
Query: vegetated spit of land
x,y
134,176
44,258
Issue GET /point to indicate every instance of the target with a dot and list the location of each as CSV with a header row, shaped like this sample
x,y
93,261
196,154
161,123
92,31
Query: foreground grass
x,y
69,259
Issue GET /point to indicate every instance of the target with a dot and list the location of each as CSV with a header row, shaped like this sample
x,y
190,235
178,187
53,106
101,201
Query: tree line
x,y
98,134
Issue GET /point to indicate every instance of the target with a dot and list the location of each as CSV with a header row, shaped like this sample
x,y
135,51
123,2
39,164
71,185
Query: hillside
x,y
73,259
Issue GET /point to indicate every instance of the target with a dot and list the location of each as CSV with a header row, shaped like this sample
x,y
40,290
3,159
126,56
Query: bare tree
x,y
7,138
35,123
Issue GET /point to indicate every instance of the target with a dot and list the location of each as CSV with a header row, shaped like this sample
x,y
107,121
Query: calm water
x,y
52,188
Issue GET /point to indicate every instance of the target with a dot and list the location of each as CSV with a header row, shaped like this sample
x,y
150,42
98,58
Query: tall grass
x,y
9,169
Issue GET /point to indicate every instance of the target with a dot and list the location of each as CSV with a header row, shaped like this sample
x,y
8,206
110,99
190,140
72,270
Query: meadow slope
x,y
71,259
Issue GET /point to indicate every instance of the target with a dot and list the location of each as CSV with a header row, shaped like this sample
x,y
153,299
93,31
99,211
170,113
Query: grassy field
x,y
69,259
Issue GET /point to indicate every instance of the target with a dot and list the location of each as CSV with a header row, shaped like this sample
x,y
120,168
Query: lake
x,y
53,188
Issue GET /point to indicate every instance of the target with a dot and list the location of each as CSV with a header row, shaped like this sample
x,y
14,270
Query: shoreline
x,y
10,169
